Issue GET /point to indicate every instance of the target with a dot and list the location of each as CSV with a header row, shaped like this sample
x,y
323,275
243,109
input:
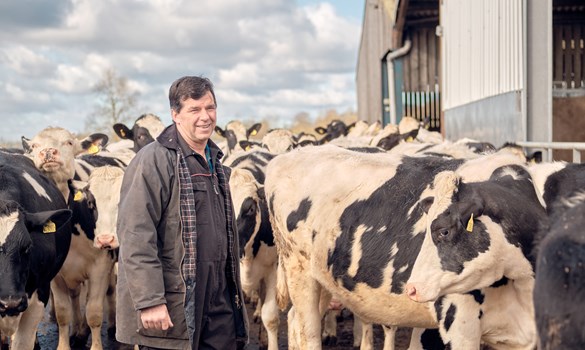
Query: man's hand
x,y
156,317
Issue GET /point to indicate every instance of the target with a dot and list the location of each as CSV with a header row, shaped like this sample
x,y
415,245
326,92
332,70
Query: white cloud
x,y
267,58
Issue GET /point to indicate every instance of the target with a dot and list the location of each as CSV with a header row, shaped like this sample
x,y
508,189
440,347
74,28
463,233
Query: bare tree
x,y
116,103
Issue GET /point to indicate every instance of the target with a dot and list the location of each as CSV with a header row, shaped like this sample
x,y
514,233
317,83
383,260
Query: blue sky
x,y
269,59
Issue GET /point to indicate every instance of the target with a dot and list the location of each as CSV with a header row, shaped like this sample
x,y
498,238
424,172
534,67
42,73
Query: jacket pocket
x,y
176,310
201,202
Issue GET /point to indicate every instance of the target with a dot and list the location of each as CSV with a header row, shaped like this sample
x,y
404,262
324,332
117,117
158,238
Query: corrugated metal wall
x,y
375,42
482,49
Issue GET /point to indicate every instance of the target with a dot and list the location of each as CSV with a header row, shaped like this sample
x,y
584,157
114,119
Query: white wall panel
x,y
482,46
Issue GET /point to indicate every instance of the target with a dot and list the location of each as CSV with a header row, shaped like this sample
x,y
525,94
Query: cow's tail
x,y
282,297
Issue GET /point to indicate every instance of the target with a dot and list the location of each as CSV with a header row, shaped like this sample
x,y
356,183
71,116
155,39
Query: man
x,y
178,277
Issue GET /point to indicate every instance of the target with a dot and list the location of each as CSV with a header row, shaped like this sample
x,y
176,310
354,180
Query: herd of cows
x,y
467,243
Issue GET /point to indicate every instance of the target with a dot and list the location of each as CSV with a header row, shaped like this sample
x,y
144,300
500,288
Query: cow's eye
x,y
251,210
34,145
69,143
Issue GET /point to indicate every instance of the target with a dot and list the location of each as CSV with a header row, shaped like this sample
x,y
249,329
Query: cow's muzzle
x,y
12,306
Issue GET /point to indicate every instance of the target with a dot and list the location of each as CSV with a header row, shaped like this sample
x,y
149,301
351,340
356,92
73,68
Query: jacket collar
x,y
170,139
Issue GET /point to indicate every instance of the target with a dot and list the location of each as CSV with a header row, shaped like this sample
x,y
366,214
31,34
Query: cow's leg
x,y
291,330
329,316
329,335
459,321
304,293
99,280
79,328
62,310
25,336
366,334
270,312
111,300
389,337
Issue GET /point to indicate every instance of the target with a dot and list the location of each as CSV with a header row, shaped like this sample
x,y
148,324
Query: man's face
x,y
197,119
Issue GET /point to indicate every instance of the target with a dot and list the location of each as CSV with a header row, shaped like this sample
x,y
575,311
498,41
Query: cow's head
x,y
278,141
145,130
18,249
95,206
246,200
53,151
336,128
105,183
234,132
477,233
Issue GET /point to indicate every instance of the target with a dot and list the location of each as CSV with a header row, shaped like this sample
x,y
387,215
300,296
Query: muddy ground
x,y
48,335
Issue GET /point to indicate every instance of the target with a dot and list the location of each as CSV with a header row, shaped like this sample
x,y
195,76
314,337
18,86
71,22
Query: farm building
x,y
493,70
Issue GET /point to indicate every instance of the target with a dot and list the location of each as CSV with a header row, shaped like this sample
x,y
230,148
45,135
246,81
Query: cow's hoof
x,y
330,341
78,341
112,332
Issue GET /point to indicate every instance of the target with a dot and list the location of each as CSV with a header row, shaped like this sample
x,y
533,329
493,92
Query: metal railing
x,y
548,147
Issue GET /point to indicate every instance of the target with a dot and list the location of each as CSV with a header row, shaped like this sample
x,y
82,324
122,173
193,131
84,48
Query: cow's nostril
x,y
410,291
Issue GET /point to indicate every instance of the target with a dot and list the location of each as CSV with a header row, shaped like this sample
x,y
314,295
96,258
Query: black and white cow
x,y
234,132
257,250
480,235
352,224
91,258
35,234
144,131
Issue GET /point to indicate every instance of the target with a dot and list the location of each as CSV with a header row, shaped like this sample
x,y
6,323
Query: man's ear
x,y
174,116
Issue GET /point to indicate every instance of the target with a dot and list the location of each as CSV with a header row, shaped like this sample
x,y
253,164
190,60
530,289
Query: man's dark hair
x,y
189,87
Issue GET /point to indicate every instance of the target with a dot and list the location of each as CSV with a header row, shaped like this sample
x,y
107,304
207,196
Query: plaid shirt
x,y
188,219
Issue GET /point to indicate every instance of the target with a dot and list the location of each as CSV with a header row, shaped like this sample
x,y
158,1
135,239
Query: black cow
x,y
35,235
559,290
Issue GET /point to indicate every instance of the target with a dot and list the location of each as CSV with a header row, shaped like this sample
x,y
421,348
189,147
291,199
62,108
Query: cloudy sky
x,y
268,58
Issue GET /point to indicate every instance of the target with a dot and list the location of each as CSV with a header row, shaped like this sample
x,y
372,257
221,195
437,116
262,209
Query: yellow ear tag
x,y
78,196
93,149
49,227
122,133
247,148
470,224
410,139
254,132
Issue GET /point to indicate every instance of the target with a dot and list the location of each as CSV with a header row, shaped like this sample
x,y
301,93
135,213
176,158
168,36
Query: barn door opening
x,y
421,94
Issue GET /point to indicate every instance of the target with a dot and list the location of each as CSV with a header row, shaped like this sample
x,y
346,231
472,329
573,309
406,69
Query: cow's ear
x,y
26,144
246,145
306,143
351,126
47,221
94,142
253,130
123,132
220,131
320,130
426,204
